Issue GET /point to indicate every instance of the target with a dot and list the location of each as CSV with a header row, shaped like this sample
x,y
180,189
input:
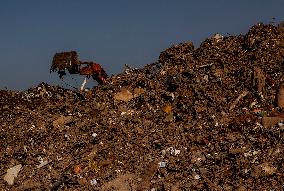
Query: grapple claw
x,y
69,61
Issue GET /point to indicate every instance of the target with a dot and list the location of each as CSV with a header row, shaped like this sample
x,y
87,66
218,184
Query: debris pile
x,y
209,118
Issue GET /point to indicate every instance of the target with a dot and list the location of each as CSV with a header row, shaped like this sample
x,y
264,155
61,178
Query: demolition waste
x,y
206,118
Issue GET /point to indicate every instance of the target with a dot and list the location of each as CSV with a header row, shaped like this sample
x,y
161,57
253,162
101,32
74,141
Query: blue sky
x,y
112,32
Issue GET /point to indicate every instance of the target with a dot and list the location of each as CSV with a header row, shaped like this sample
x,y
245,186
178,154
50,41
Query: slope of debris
x,y
209,118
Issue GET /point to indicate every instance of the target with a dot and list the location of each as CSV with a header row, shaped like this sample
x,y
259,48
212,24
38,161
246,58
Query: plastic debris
x,y
162,164
197,177
42,162
12,173
93,182
173,151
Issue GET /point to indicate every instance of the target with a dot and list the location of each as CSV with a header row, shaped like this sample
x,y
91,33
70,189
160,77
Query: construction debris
x,y
205,118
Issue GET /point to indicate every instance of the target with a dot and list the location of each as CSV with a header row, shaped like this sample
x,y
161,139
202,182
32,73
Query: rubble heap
x,y
209,118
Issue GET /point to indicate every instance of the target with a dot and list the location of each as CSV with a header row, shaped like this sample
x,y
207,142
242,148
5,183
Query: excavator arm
x,y
69,61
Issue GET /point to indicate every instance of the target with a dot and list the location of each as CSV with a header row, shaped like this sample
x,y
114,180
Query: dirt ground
x,y
206,118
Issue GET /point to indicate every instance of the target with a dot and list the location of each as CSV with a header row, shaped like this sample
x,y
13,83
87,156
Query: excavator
x,y
69,61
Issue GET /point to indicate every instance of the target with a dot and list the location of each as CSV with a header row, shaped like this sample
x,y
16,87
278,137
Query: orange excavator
x,y
69,61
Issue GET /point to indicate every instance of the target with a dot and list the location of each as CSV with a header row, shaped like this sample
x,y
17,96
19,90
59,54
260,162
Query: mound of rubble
x,y
209,118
